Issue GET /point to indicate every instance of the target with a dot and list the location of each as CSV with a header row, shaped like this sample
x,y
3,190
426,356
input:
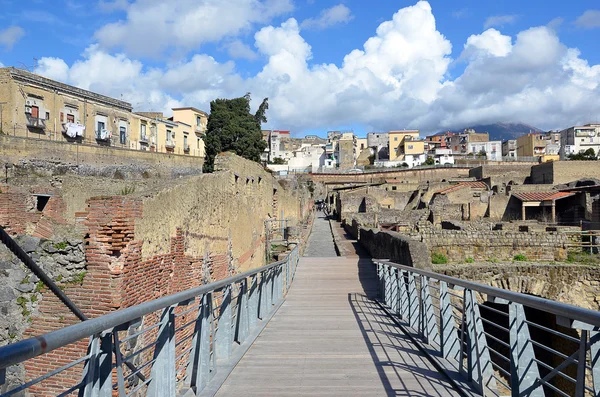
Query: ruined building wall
x,y
142,246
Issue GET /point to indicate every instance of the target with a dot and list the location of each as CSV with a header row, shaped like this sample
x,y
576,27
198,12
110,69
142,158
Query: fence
x,y
484,335
149,348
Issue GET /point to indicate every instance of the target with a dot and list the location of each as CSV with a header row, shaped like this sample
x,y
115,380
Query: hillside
x,y
501,131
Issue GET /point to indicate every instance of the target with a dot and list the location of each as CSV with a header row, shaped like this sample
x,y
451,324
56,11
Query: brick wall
x,y
19,213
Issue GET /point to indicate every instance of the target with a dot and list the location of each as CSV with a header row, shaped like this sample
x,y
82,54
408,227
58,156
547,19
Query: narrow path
x,y
329,338
320,241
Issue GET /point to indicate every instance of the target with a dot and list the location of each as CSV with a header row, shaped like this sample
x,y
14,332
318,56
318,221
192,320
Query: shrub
x,y
60,246
469,260
520,258
439,259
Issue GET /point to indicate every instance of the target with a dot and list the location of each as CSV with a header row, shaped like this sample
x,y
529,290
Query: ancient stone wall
x,y
498,245
395,247
411,176
560,172
144,245
55,157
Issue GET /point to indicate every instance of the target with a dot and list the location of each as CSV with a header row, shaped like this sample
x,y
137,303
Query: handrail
x,y
561,309
24,350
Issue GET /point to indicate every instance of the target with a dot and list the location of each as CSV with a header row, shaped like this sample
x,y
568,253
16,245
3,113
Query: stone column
x,y
523,211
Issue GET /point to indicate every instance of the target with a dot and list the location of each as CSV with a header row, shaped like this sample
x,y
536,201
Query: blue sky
x,y
434,65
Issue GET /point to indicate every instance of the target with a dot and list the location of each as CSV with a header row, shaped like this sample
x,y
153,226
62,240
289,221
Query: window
x,y
122,135
169,136
185,141
70,118
47,115
143,131
198,121
198,143
395,138
101,126
35,112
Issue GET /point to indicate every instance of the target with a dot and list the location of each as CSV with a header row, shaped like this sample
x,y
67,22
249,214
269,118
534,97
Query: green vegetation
x,y
60,246
469,260
78,279
33,298
493,260
22,301
127,190
430,161
39,286
439,259
583,258
25,280
59,278
520,258
589,154
231,127
278,161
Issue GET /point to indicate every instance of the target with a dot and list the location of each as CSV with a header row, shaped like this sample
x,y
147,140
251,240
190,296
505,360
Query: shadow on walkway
x,y
401,367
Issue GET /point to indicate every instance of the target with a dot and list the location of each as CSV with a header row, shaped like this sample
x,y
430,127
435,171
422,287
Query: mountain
x,y
501,131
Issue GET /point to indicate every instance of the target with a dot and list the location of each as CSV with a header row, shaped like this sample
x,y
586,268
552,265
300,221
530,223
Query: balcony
x,y
170,144
144,139
198,129
186,148
35,122
103,135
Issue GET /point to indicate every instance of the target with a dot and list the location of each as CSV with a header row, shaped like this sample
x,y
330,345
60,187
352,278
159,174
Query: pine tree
x,y
231,127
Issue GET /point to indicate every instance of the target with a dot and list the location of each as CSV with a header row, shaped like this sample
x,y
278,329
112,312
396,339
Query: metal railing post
x,y
262,297
198,369
163,374
387,285
404,309
581,364
448,338
253,298
479,364
381,281
413,302
524,371
97,373
394,291
595,360
242,328
430,327
223,336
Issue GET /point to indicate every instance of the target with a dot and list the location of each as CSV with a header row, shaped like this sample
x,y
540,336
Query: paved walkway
x,y
330,339
320,242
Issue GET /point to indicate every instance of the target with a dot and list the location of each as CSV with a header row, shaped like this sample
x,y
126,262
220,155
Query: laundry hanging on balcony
x,y
104,135
74,130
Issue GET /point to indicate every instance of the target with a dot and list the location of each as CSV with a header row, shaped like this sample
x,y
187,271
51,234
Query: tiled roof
x,y
541,196
462,185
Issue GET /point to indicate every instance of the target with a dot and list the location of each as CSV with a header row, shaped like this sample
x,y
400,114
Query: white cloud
x,y
53,68
500,20
490,42
112,6
1,65
329,17
398,78
238,50
153,26
589,19
10,36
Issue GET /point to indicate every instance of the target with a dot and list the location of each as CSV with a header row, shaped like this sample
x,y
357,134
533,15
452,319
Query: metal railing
x,y
499,341
174,342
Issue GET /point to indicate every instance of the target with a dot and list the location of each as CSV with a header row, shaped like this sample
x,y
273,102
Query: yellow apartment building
x,y
37,107
531,145
396,142
413,146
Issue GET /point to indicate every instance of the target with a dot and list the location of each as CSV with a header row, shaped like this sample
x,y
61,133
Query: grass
x,y
25,280
583,257
493,260
60,246
520,258
39,286
78,279
127,190
439,259
469,260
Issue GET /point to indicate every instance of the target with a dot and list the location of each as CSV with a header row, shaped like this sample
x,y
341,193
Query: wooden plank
x,y
329,339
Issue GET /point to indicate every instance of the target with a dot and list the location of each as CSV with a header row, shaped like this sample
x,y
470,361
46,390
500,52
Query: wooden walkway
x,y
330,339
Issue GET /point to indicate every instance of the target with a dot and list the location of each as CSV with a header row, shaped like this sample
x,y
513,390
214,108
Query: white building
x,y
443,156
492,149
414,160
578,139
308,156
275,151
